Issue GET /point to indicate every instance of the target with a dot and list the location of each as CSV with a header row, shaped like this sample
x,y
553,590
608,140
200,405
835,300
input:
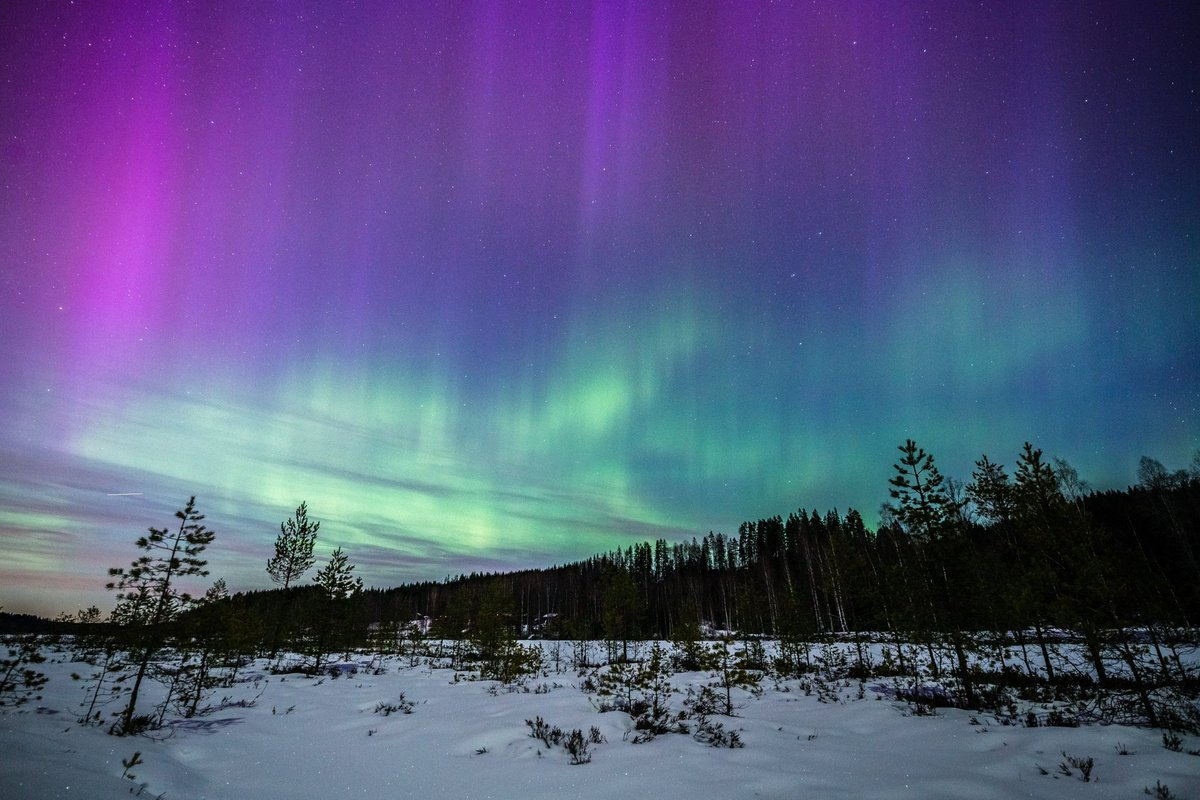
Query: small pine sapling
x,y
620,681
655,686
575,742
1161,792
130,763
1084,765
730,671
401,706
702,705
688,651
715,734
108,665
20,682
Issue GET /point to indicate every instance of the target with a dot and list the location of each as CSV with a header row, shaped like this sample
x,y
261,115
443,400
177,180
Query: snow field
x,y
300,737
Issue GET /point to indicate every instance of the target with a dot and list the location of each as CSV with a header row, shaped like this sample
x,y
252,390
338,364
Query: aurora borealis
x,y
501,284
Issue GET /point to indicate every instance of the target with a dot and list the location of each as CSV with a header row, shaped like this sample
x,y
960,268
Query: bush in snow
x,y
401,706
551,736
1161,792
714,734
575,742
577,746
1084,765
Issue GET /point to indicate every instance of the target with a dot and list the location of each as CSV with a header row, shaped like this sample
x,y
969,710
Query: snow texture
x,y
295,737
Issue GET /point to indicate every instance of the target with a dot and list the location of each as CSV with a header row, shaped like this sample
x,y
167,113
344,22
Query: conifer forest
x,y
973,586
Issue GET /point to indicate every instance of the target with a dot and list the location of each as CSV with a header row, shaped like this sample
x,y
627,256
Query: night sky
x,y
500,284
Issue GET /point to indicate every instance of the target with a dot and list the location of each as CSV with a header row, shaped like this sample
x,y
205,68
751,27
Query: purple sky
x,y
494,285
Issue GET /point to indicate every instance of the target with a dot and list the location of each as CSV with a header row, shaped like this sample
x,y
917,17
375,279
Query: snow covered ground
x,y
298,737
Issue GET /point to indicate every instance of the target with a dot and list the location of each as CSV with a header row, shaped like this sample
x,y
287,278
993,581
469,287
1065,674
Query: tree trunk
x,y
143,665
1041,638
1130,658
964,669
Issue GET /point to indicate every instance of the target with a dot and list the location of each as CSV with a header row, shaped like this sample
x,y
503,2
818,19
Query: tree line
x,y
1021,556
1020,552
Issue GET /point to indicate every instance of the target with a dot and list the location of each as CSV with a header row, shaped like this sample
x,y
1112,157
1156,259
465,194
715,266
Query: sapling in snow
x,y
20,682
148,597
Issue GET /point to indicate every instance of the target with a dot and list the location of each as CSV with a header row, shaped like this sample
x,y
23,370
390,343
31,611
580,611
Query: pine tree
x,y
1037,492
487,615
207,627
929,515
655,684
491,631
731,671
293,548
147,595
991,492
19,682
335,579
1066,569
924,506
621,611
337,586
293,557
